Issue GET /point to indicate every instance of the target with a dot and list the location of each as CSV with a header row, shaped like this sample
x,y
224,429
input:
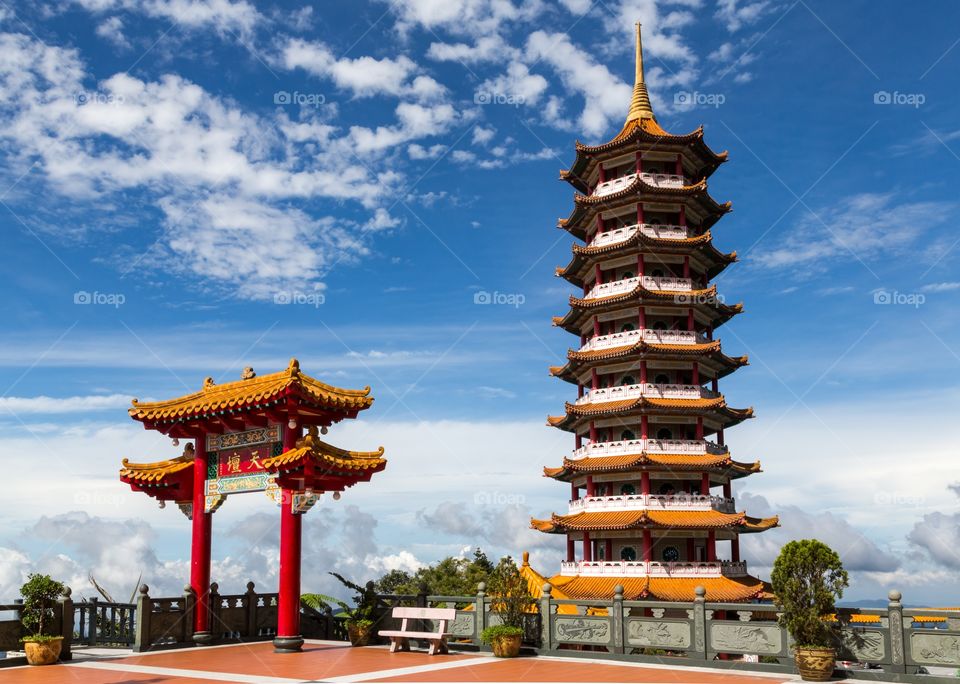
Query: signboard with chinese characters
x,y
235,462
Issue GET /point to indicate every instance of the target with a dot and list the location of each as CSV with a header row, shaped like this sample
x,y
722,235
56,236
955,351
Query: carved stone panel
x,y
658,634
582,629
862,645
746,638
935,649
461,627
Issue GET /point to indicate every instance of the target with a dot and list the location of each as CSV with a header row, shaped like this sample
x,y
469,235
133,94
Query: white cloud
x,y
941,287
77,404
414,121
419,152
111,29
486,49
735,14
223,15
483,135
517,85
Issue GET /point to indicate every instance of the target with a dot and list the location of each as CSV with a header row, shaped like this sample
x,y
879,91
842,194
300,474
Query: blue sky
x,y
151,160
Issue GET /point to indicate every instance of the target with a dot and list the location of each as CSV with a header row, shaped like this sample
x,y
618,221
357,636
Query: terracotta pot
x,y
815,664
359,634
43,652
506,646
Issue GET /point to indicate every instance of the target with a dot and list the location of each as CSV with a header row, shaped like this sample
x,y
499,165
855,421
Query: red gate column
x,y
200,549
288,637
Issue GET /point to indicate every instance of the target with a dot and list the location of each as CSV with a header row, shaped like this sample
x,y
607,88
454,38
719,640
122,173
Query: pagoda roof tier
x,y
643,519
585,206
715,409
323,466
719,589
571,468
254,399
169,480
584,257
586,219
704,301
578,361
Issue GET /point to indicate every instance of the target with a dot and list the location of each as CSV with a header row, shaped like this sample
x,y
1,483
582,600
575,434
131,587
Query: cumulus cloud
x,y
222,15
938,534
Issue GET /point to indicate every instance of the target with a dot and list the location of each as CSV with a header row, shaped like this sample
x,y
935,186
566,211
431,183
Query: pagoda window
x,y
657,273
671,554
627,435
662,379
659,325
627,327
628,490
627,380
666,489
628,553
664,433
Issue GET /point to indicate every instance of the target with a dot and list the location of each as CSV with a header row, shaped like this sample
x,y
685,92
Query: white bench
x,y
400,638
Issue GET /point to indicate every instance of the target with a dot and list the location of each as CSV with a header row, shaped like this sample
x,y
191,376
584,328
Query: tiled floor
x,y
337,662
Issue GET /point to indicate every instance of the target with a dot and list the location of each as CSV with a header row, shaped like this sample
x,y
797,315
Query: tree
x,y
39,593
509,593
807,578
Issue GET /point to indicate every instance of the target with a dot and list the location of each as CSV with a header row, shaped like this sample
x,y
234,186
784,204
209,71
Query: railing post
x,y
895,627
66,624
479,609
213,605
142,639
546,628
189,607
700,622
251,610
94,622
616,612
422,600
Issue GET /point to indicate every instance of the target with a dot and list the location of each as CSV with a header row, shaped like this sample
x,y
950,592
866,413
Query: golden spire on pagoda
x,y
640,107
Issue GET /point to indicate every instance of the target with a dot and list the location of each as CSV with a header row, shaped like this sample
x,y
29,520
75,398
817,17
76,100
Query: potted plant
x,y
511,600
40,593
360,620
807,579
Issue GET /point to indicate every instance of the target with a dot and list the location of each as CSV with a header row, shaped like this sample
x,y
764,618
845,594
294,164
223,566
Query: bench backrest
x,y
425,613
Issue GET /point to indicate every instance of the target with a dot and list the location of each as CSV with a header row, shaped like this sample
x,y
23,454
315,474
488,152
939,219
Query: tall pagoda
x,y
650,475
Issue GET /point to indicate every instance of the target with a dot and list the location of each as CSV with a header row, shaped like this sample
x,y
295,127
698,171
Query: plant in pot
x,y
360,620
510,601
40,594
807,579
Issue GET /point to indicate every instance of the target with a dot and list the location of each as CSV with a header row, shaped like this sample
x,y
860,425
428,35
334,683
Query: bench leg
x,y
443,645
399,644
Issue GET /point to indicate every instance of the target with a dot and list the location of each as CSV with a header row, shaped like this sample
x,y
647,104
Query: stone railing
x,y
896,643
653,502
653,569
650,336
659,283
658,180
649,390
650,446
12,630
251,616
654,230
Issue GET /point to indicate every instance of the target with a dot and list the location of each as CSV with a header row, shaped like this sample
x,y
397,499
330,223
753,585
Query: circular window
x,y
659,325
627,435
628,490
664,433
628,553
671,554
626,274
657,273
666,489
628,380
627,327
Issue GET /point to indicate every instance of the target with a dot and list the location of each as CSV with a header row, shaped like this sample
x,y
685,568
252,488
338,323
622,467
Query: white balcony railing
x,y
630,337
654,230
651,446
658,180
649,390
661,283
651,502
653,569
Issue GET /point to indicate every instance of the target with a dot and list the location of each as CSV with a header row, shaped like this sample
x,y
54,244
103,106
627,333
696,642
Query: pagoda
x,y
248,436
650,475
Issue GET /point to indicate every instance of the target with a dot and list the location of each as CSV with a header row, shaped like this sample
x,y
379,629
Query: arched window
x,y
628,490
657,273
659,325
626,274
662,379
627,435
627,327
666,489
671,554
628,553
627,380
664,433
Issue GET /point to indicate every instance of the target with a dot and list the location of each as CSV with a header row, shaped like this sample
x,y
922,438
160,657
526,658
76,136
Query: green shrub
x,y
807,578
490,634
509,595
40,594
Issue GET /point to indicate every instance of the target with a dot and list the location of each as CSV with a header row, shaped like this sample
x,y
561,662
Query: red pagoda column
x,y
288,637
200,546
571,553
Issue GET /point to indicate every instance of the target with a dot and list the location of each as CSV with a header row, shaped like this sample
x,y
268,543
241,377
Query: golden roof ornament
x,y
640,107
248,373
